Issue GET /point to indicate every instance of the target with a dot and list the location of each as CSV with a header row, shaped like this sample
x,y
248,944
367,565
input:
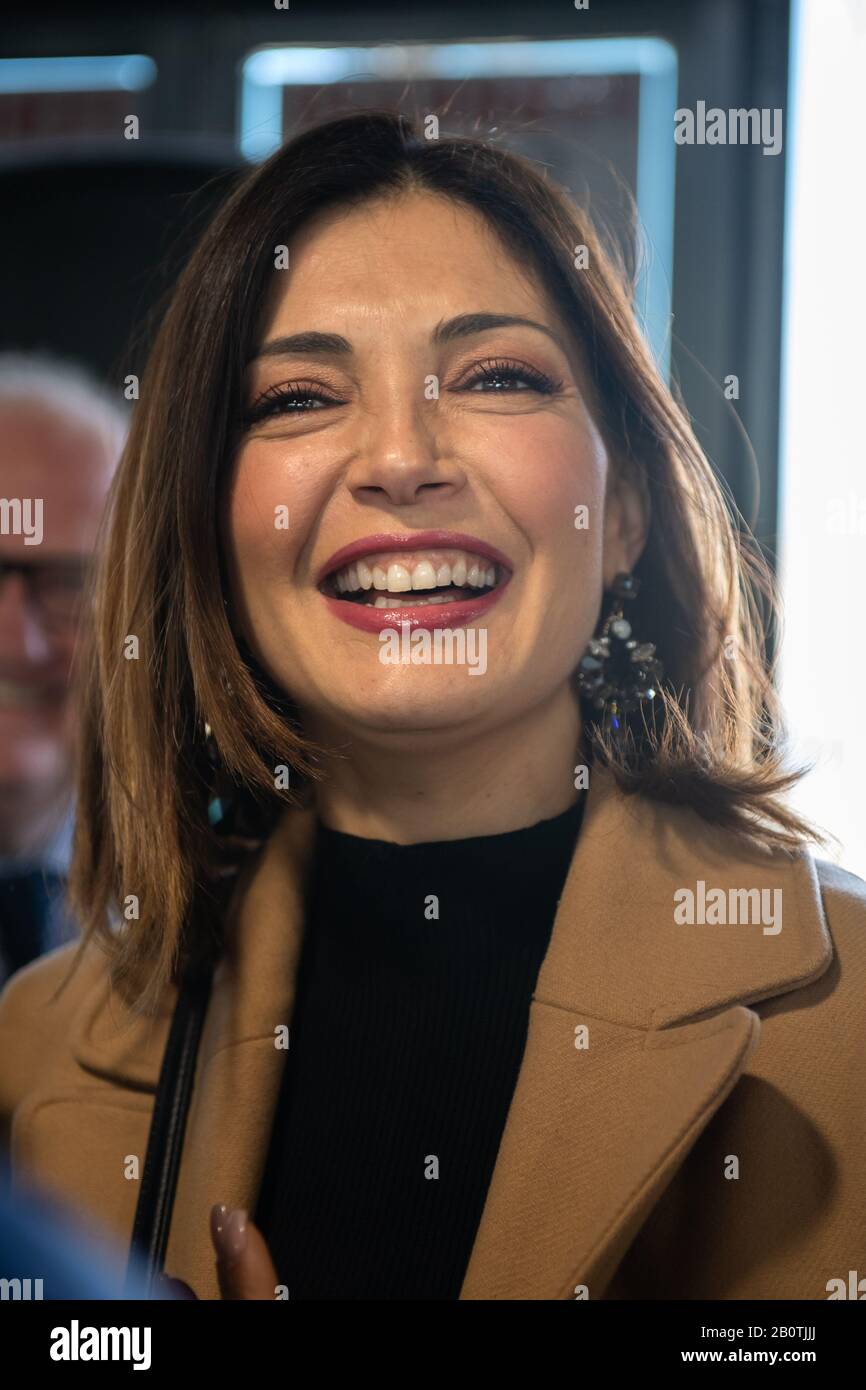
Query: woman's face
x,y
405,455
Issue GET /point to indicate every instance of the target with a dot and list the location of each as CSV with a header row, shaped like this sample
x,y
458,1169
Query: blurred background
x,y
121,130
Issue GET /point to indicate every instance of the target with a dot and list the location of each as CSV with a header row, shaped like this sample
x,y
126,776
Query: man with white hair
x,y
61,435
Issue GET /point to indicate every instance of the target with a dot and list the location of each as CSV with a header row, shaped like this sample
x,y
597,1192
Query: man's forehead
x,y
64,461
39,436
28,415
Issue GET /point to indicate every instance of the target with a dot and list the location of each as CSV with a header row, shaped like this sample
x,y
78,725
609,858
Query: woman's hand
x,y
244,1265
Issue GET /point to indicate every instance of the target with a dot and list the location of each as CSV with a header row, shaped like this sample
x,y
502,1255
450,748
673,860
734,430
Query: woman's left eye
x,y
504,375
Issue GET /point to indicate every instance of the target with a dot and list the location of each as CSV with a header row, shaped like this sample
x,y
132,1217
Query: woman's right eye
x,y
296,398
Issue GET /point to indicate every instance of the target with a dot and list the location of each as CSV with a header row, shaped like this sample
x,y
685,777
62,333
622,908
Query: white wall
x,y
823,477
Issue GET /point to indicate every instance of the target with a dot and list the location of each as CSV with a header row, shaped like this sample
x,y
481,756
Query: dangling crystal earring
x,y
616,672
221,799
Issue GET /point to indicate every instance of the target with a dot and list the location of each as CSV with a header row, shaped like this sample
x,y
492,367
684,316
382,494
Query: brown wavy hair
x,y
144,780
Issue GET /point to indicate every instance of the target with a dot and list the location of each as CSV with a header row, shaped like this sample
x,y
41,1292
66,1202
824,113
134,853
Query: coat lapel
x,y
600,1119
240,1066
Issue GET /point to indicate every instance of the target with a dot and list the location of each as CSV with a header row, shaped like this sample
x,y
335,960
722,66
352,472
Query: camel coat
x,y
689,1120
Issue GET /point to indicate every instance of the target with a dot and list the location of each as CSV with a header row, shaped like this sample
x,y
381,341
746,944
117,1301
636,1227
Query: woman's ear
x,y
626,522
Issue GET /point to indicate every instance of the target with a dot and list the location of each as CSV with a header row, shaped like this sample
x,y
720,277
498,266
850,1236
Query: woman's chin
x,y
413,701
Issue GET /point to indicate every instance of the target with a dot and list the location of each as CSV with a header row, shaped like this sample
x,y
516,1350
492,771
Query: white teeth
x,y
464,571
424,576
425,601
435,598
399,579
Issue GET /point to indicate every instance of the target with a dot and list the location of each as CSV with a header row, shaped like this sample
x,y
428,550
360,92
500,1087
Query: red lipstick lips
x,y
415,540
452,614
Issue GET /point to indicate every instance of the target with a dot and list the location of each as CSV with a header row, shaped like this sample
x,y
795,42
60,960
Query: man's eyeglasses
x,y
54,587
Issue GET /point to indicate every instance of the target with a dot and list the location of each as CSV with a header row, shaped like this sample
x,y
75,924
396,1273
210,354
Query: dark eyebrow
x,y
312,344
466,324
309,344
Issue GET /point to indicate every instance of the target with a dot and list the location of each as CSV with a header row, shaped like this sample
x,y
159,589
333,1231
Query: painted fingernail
x,y
229,1230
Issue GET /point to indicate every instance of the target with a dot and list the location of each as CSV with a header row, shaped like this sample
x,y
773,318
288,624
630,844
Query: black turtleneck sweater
x,y
408,1029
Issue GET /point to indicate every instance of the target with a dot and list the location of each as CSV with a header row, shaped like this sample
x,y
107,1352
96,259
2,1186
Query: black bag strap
x,y
165,1141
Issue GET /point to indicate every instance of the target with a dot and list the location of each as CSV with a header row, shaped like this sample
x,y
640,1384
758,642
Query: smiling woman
x,y
388,397
420,412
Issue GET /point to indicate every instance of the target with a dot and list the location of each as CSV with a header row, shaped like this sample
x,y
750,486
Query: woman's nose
x,y
403,458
